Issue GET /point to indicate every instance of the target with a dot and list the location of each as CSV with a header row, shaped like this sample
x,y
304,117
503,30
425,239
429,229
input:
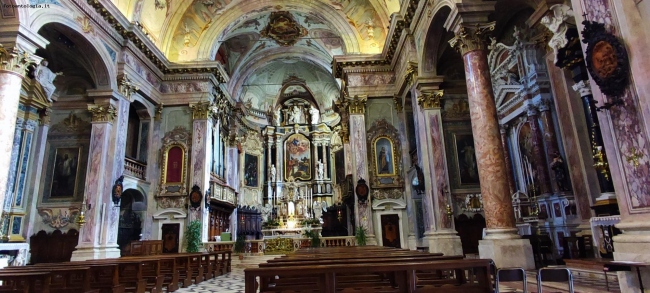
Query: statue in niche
x,y
557,165
321,170
273,173
267,210
46,77
318,211
295,116
276,117
315,115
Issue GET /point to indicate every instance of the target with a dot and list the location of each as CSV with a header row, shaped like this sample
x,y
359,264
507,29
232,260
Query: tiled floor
x,y
234,282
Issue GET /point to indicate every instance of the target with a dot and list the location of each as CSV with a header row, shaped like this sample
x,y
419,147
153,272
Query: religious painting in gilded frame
x,y
465,159
174,169
65,172
251,176
297,156
384,146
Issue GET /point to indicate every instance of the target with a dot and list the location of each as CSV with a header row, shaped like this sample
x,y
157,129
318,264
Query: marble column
x,y
441,235
503,129
501,243
408,175
539,158
99,163
13,65
37,169
359,150
200,161
546,117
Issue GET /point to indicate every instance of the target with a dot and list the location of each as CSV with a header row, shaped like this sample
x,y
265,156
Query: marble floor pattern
x,y
233,282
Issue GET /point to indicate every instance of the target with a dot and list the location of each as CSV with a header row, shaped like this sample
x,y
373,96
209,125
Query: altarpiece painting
x,y
384,145
297,157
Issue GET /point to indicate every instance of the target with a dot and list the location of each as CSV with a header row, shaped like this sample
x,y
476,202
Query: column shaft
x,y
551,142
359,151
200,158
539,158
506,155
9,95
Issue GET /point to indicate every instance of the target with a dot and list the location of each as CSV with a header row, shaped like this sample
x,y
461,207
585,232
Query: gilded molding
x,y
411,73
431,99
14,59
126,87
472,37
358,105
159,112
102,113
201,110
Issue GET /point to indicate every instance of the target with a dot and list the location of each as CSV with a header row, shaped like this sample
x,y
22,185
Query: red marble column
x,y
506,155
539,158
499,215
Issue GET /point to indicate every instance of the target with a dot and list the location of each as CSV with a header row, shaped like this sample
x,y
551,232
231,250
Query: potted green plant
x,y
240,246
193,237
314,237
360,236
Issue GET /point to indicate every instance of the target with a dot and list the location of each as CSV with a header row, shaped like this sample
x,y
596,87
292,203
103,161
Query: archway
x,y
132,209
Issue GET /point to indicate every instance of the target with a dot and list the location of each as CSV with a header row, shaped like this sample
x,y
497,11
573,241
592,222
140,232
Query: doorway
x,y
390,233
170,238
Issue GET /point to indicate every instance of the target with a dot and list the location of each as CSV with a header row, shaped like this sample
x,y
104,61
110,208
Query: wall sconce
x,y
450,212
81,220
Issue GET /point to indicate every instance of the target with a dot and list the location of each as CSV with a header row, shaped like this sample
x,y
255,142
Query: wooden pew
x,y
23,281
72,279
405,279
131,274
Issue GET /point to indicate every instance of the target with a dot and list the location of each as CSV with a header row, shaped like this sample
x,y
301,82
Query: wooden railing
x,y
135,168
259,246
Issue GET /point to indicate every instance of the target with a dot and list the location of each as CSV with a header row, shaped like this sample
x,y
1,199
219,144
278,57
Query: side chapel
x,y
514,130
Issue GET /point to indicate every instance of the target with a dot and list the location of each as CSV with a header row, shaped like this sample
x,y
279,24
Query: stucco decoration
x,y
283,29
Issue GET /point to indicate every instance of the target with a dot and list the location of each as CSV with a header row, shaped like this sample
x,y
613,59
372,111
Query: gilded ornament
x,y
201,110
159,111
472,37
358,105
14,59
431,99
634,157
102,113
126,87
398,103
411,73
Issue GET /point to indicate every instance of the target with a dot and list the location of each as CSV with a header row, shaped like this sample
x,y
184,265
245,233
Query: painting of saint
x,y
64,177
466,159
384,151
250,170
297,157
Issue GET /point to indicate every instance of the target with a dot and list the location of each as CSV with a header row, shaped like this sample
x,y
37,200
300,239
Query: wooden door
x,y
390,230
170,235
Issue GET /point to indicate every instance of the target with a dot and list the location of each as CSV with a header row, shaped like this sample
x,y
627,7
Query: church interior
x,y
507,130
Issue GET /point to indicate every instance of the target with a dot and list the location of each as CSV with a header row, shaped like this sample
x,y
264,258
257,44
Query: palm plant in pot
x,y
240,246
193,237
360,236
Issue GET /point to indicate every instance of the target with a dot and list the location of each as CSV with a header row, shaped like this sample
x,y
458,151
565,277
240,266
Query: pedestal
x,y
447,243
508,252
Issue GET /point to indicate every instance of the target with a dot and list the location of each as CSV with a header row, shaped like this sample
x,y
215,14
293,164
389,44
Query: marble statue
x,y
315,115
273,172
292,208
321,170
276,117
46,77
557,24
267,209
295,116
318,211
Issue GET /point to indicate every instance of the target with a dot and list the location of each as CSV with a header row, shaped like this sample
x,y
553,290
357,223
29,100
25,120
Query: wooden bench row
x,y
369,269
126,274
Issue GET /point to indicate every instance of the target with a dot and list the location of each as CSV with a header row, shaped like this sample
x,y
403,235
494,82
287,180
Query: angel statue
x,y
46,77
321,170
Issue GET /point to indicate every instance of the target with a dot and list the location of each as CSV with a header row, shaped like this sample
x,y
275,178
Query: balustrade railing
x,y
260,246
135,168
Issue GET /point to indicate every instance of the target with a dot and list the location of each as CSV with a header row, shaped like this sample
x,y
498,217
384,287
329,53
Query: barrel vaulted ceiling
x,y
263,42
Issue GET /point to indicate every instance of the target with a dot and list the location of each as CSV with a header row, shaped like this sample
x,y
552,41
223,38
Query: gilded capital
x,y
398,103
159,111
201,110
431,99
358,105
126,87
14,59
102,113
472,37
411,73
44,116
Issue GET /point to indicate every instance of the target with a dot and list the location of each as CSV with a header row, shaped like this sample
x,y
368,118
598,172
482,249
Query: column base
x,y
101,252
508,252
371,240
633,245
412,242
445,242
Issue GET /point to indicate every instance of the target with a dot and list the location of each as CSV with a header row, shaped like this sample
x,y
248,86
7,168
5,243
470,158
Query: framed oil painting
x,y
297,157
385,155
465,159
65,174
251,166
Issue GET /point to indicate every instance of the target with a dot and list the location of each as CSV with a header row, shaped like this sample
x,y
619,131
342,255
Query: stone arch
x,y
103,71
434,39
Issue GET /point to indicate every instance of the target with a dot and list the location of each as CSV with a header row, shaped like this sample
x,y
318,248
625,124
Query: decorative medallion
x,y
607,60
118,188
196,197
283,29
362,190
